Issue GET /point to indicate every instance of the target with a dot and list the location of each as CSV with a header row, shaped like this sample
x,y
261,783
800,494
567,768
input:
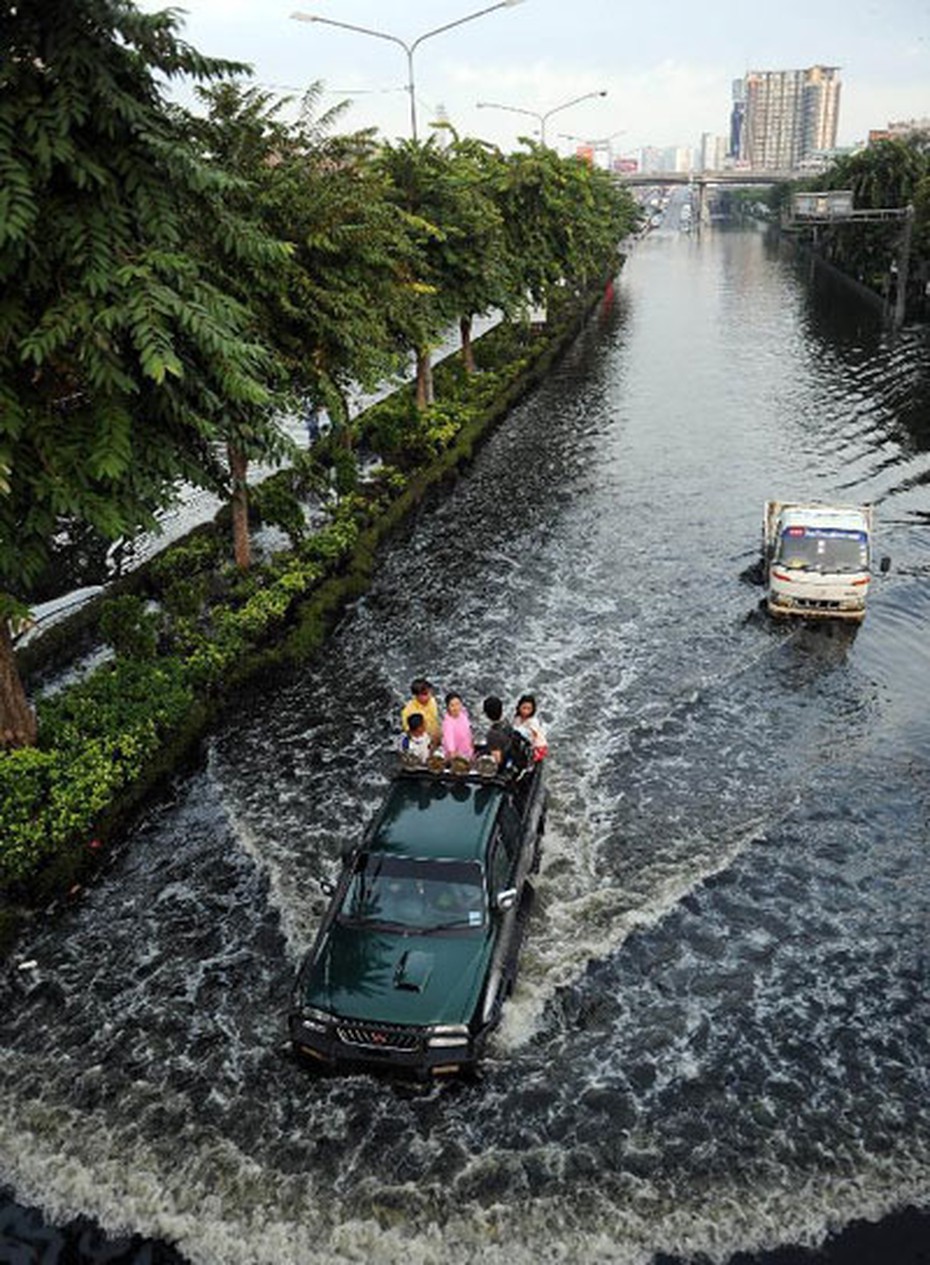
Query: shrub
x,y
129,627
345,471
186,597
197,553
386,425
275,501
97,739
117,698
26,777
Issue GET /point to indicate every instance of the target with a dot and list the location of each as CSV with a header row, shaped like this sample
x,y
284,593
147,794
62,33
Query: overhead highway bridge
x,y
701,181
728,176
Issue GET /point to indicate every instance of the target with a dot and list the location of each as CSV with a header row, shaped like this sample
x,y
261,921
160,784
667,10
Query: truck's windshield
x,y
420,895
825,549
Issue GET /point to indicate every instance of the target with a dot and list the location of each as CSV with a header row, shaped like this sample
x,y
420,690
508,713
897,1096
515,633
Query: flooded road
x,y
720,1037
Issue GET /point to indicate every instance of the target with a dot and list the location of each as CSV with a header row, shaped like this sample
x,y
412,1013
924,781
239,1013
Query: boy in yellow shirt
x,y
423,700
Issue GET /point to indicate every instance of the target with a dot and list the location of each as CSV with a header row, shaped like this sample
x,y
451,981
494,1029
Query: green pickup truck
x,y
418,948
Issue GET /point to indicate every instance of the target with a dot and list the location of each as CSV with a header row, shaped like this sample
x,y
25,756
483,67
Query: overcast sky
x,y
667,65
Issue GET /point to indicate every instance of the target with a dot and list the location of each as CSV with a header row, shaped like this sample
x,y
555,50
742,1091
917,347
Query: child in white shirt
x,y
416,741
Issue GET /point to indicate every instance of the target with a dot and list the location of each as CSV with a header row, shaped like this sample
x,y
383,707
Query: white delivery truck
x,y
817,559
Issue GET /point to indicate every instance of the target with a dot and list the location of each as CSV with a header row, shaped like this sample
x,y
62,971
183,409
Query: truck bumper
x,y
376,1047
793,609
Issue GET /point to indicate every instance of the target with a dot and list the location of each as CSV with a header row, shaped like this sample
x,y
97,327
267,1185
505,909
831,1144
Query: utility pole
x,y
904,263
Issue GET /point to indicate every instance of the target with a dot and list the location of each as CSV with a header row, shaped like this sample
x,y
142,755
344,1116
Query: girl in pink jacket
x,y
456,729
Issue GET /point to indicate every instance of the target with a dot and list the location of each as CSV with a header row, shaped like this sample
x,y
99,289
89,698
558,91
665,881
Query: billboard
x,y
822,206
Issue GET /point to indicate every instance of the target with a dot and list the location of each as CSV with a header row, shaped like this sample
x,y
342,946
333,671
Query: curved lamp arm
x,y
409,49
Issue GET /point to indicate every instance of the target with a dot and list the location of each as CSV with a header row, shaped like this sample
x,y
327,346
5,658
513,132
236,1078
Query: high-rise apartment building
x,y
788,116
713,151
737,117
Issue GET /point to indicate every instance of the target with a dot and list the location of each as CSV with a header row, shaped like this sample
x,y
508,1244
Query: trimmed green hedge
x,y
97,739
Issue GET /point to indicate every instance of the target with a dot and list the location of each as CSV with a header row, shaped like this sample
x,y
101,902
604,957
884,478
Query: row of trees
x,y
890,174
172,281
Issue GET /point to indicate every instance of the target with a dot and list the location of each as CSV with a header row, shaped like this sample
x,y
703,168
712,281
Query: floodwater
x,y
720,1038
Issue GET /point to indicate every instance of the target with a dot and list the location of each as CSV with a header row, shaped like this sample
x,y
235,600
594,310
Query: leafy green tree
x,y
778,196
603,215
122,352
890,174
473,269
494,232
564,218
332,313
425,185
922,225
883,175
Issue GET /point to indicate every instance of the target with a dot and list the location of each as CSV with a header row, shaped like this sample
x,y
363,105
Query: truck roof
x,y
434,816
816,514
810,515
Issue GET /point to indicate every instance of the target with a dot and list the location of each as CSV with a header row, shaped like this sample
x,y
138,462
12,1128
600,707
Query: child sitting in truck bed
x,y
527,723
416,742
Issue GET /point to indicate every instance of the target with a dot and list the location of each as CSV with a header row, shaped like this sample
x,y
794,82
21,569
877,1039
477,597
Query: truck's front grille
x,y
378,1037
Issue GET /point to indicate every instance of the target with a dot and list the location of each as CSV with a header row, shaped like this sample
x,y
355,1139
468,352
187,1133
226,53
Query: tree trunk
x,y
425,395
468,355
242,545
17,719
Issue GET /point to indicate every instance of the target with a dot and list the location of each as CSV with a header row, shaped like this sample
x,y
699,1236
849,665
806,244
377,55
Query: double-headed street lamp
x,y
603,142
541,118
409,49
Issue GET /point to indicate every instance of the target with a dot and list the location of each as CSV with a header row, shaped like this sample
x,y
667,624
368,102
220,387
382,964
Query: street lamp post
x,y
409,49
516,109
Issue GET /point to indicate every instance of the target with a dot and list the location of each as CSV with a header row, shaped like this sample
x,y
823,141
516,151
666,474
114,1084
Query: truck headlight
x,y
447,1036
315,1020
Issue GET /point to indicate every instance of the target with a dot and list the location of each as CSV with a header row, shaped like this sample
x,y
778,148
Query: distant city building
x,y
823,159
737,117
595,154
678,158
651,159
675,158
898,131
714,152
789,115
